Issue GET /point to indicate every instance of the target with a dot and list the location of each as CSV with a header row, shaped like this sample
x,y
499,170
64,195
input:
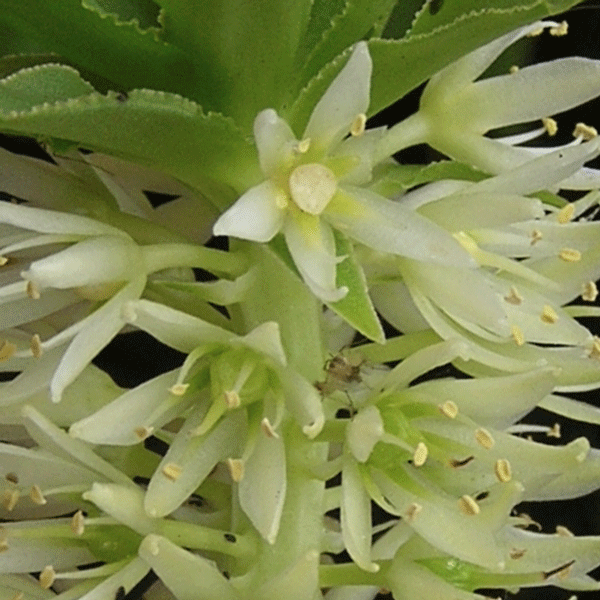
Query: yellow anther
x,y
303,146
236,469
536,235
468,506
47,577
10,499
78,523
420,455
554,432
569,255
590,291
548,315
517,334
358,125
563,531
514,297
587,132
143,432
516,553
412,511
267,429
513,69
172,471
32,291
560,30
3,260
281,200
484,438
179,389
595,350
550,125
6,350
36,346
565,214
502,470
449,409
232,399
37,496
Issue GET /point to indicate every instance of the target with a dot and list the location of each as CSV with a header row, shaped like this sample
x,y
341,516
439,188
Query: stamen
x,y
281,200
569,255
179,389
412,511
468,506
516,553
12,477
143,432
36,346
550,126
565,214
484,438
10,499
267,429
587,132
502,470
548,315
37,496
514,297
47,577
232,399
78,523
517,335
590,291
358,125
595,351
554,432
536,236
303,146
536,32
513,69
172,471
420,454
562,29
449,409
3,260
32,291
563,531
6,350
236,469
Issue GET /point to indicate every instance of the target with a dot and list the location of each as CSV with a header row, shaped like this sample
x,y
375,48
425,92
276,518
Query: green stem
x,y
167,256
410,132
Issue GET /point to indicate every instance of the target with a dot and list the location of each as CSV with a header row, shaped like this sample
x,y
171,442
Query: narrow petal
x,y
387,226
531,93
262,489
311,244
347,97
257,215
275,141
96,331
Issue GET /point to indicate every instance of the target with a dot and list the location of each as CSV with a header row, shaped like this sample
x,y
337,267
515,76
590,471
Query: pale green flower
x,y
313,187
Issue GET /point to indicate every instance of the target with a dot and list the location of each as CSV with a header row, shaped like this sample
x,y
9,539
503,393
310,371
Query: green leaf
x,y
401,19
244,50
99,43
144,12
156,129
356,307
401,65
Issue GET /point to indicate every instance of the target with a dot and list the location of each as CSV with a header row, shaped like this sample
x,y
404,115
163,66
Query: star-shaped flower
x,y
312,187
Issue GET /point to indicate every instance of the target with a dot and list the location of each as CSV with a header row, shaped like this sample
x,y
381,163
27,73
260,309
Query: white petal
x,y
95,332
257,215
531,93
125,578
387,226
311,244
51,221
262,490
275,141
90,262
346,98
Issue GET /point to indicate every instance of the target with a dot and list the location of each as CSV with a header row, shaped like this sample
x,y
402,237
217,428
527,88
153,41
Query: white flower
x,y
312,188
457,108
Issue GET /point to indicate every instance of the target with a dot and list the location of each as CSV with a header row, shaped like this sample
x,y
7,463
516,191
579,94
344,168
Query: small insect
x,y
339,374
